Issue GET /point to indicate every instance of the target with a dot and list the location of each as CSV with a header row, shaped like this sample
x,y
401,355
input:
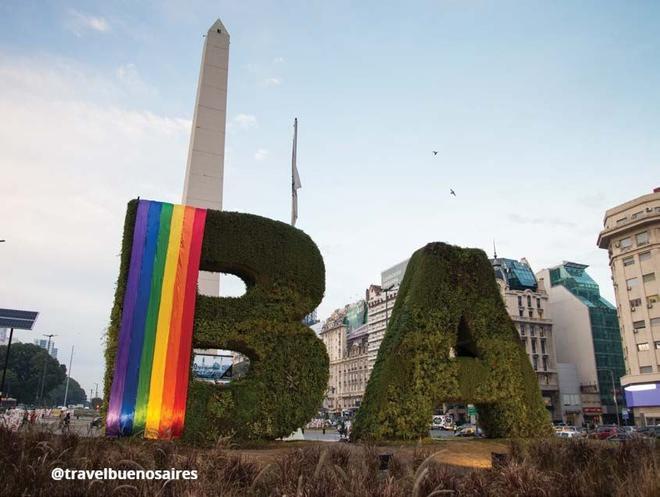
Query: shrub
x,y
285,279
449,300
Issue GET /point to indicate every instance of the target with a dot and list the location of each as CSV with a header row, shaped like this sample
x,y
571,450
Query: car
x,y
606,431
568,434
652,431
469,431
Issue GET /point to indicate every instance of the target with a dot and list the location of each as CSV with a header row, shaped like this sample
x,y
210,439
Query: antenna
x,y
494,250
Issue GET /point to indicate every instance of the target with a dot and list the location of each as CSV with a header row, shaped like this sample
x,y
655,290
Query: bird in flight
x,y
435,152
452,192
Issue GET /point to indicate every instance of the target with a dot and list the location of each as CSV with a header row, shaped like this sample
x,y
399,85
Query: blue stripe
x,y
139,319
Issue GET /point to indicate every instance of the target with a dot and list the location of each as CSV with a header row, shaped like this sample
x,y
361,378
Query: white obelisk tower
x,y
206,155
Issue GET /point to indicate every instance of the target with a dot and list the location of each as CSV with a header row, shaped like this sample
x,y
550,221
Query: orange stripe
x,y
181,389
174,343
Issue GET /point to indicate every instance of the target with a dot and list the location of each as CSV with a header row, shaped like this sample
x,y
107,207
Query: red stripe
x,y
183,366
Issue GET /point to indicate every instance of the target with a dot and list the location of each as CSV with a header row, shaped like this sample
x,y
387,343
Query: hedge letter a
x,y
450,339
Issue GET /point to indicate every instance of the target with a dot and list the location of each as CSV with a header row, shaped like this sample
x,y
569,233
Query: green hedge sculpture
x,y
284,275
450,339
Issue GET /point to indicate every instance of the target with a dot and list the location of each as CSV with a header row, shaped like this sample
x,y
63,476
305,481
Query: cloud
x,y
278,60
272,81
78,23
517,218
245,121
261,154
130,79
70,161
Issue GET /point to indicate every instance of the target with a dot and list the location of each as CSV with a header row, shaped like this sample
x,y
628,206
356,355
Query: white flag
x,y
295,178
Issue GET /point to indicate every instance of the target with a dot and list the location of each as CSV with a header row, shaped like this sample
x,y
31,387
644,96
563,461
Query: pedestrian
x,y
66,422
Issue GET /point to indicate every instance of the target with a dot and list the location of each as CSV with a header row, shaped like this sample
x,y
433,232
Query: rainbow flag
x,y
150,382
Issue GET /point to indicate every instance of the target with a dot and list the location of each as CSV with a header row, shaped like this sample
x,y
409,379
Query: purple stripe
x,y
125,331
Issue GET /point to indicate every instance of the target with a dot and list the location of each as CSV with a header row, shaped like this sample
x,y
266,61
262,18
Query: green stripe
x,y
152,319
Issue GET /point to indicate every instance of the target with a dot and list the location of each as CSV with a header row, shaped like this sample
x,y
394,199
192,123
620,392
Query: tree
x,y
96,403
25,370
75,395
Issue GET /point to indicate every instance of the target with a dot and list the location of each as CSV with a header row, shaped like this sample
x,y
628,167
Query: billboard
x,y
642,395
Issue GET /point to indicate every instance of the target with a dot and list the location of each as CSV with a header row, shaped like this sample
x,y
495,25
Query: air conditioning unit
x,y
649,306
649,209
633,309
629,288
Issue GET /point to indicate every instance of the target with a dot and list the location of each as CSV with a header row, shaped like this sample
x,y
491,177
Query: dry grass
x,y
549,468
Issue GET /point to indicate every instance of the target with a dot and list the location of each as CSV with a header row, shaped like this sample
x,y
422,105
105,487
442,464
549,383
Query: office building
x,y
631,236
43,343
586,333
345,335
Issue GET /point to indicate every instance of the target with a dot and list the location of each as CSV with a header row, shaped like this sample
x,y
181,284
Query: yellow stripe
x,y
163,327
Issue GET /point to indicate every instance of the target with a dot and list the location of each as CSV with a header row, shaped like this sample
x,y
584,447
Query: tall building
x,y
4,336
43,343
206,153
527,305
631,235
380,305
345,334
586,333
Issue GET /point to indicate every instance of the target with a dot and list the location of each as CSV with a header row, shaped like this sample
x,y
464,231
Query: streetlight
x,y
616,403
43,376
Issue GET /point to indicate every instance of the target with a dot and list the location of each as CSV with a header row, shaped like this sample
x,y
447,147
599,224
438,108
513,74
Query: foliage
x,y
449,300
554,468
25,370
285,279
75,395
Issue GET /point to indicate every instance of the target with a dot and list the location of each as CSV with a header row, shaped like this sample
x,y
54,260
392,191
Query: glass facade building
x,y
604,327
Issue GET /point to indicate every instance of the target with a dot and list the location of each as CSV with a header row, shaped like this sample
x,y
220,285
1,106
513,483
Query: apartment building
x,y
631,236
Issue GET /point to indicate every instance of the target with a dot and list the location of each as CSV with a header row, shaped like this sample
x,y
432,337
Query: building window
x,y
637,214
522,329
635,302
545,364
657,345
520,312
628,261
535,363
543,347
532,330
632,282
655,322
644,256
531,313
645,369
639,325
647,278
621,220
538,303
642,238
625,243
643,346
519,301
534,346
529,301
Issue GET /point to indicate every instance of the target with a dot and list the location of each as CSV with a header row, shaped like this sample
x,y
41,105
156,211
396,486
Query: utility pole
x,y
97,390
43,376
68,376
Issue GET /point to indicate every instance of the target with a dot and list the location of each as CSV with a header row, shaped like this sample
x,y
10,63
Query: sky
x,y
544,114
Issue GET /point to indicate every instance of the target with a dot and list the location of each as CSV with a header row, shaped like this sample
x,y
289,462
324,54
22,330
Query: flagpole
x,y
295,178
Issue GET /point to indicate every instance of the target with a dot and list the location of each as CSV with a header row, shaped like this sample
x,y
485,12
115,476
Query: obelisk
x,y
206,154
